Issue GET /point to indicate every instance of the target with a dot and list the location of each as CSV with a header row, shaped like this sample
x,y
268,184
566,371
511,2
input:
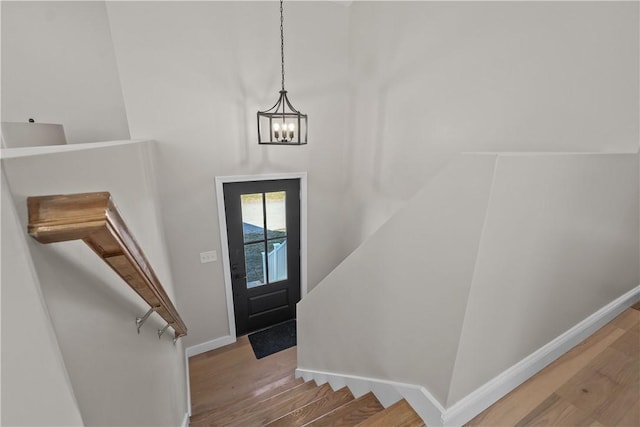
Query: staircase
x,y
299,403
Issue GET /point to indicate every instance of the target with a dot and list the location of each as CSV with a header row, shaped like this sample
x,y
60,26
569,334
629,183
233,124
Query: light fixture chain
x,y
282,42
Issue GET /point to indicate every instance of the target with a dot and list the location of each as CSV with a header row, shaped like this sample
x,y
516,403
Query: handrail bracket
x,y
140,320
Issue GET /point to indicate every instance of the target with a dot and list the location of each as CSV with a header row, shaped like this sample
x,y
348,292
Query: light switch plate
x,y
209,256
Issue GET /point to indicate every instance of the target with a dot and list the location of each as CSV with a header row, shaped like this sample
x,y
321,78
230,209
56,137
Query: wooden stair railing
x,y
94,218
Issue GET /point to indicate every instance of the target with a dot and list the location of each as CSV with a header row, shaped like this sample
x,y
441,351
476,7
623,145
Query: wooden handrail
x,y
94,218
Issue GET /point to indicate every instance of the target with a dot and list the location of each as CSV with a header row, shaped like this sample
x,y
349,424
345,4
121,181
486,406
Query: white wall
x,y
393,310
558,244
35,385
58,66
194,74
118,376
432,79
489,262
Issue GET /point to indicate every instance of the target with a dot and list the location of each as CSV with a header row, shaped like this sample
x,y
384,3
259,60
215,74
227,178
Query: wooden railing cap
x,y
93,218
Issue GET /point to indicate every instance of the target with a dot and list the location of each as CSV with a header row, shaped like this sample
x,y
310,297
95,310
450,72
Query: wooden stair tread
x,y
400,414
350,413
315,409
222,377
253,400
206,401
276,407
232,416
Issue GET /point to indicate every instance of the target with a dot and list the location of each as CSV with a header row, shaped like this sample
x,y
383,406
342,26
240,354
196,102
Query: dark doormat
x,y
275,339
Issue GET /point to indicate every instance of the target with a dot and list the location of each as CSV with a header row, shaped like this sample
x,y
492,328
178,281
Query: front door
x,y
263,230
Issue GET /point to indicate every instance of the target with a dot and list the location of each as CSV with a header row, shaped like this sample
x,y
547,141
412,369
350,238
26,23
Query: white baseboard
x,y
431,410
209,345
489,393
185,421
387,392
188,382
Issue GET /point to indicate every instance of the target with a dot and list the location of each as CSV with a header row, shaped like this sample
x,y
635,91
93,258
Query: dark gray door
x,y
263,230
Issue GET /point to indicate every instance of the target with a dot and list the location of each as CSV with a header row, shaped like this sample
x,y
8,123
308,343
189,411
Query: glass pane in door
x,y
252,217
277,260
254,263
276,207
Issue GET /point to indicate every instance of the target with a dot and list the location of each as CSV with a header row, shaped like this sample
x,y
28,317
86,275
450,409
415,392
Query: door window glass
x,y
276,204
253,254
277,260
265,238
252,217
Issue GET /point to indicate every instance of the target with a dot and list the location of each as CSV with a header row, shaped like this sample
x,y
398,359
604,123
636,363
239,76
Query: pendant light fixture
x,y
282,124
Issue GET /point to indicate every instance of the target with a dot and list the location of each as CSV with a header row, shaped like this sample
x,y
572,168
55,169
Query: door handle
x,y
235,274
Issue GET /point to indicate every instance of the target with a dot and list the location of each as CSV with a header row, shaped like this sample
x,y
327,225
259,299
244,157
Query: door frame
x,y
224,239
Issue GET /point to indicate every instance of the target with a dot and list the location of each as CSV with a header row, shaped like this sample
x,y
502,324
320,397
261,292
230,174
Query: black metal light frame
x,y
278,114
283,113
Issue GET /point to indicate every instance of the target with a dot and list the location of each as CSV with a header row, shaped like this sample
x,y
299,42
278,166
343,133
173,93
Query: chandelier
x,y
282,124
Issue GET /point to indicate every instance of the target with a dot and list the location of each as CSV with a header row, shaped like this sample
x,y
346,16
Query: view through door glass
x,y
265,248
263,229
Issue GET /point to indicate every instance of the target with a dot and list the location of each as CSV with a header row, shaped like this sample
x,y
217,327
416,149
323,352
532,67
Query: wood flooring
x,y
597,383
